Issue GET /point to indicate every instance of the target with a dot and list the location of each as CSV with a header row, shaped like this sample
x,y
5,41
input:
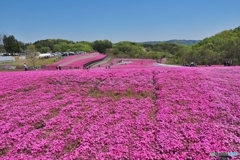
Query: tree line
x,y
11,45
221,47
217,49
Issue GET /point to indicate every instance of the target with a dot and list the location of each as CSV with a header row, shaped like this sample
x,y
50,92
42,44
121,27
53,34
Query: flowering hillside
x,y
128,63
76,61
151,113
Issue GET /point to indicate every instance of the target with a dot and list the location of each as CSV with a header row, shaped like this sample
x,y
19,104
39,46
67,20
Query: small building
x,y
45,55
7,59
22,56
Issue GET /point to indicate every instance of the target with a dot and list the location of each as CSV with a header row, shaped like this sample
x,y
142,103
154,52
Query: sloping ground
x,y
102,63
84,61
76,61
163,60
151,113
130,63
167,65
70,59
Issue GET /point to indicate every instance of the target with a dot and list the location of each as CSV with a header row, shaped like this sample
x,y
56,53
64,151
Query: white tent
x,y
45,55
6,59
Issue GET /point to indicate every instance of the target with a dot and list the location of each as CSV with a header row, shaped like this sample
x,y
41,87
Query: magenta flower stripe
x,y
141,113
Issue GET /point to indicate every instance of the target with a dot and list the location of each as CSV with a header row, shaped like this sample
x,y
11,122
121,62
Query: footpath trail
x,y
132,63
79,58
104,62
166,65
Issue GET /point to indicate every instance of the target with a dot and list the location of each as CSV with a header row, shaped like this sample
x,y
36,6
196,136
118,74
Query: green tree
x,y
64,46
11,44
57,48
22,46
1,39
44,49
83,46
102,45
61,45
133,50
221,47
31,53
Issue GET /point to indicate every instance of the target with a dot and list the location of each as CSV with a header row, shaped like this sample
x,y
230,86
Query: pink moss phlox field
x,y
82,62
124,63
76,60
146,113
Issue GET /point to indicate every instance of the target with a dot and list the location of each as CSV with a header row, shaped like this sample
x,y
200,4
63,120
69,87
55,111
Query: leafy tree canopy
x,y
129,49
11,44
60,45
102,45
221,47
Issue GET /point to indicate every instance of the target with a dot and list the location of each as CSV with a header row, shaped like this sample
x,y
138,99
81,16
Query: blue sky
x,y
117,20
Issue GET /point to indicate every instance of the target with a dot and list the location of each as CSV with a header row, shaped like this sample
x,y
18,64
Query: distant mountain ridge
x,y
184,42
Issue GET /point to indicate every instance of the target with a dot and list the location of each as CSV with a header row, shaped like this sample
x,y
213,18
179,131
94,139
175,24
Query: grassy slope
x,y
20,62
38,62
